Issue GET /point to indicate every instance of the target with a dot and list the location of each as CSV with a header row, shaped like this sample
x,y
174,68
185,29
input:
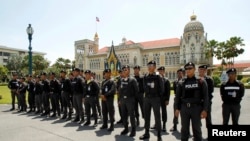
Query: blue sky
x,y
59,23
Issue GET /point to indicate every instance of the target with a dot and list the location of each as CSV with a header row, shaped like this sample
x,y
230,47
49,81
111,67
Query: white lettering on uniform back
x,y
232,88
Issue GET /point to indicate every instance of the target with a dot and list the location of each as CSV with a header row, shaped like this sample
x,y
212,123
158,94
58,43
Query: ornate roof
x,y
193,25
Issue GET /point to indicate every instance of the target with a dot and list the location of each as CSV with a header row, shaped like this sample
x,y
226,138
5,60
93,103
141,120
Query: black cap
x,y
43,73
137,67
87,71
181,69
107,70
125,66
81,70
152,62
93,73
76,69
161,68
231,70
38,76
189,64
203,67
119,71
62,71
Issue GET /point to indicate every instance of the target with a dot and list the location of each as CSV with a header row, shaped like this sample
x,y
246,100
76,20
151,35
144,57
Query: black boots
x,y
132,133
164,127
145,136
159,136
174,128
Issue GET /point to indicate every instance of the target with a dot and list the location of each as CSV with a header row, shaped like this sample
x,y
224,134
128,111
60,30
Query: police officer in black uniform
x,y
66,93
98,105
231,92
45,94
55,92
108,89
175,84
21,92
12,85
164,98
128,91
90,97
210,84
191,101
78,87
38,90
31,94
140,95
154,88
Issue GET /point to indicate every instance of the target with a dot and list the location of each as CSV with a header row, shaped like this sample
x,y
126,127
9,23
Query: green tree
x,y
62,63
233,50
3,73
14,63
39,63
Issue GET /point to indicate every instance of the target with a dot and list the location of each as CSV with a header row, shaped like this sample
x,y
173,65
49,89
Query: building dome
x,y
193,25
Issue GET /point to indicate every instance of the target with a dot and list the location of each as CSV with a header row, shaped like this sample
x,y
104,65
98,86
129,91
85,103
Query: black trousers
x,y
108,110
119,108
66,103
38,102
139,102
128,110
233,110
192,114
175,119
46,102
209,118
31,100
55,103
77,102
155,104
13,97
164,115
22,100
90,104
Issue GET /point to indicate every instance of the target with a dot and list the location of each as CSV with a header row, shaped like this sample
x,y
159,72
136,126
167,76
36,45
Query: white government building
x,y
172,53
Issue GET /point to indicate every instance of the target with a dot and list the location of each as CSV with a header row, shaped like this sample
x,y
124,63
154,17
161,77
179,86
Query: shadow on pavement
x,y
59,121
177,135
71,124
82,128
102,132
123,138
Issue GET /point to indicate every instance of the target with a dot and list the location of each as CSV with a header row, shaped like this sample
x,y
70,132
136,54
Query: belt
x,y
89,96
191,104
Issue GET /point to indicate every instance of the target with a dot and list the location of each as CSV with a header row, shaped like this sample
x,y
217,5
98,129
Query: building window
x,y
156,57
178,58
166,59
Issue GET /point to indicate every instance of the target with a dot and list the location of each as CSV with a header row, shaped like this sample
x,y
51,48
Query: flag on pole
x,y
97,19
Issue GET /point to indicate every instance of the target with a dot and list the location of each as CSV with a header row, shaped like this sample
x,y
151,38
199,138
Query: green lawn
x,y
5,94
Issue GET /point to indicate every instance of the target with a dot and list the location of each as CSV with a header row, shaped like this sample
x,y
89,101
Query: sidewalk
x,y
29,127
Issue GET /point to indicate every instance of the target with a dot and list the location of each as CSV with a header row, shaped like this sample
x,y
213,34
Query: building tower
x,y
96,43
192,44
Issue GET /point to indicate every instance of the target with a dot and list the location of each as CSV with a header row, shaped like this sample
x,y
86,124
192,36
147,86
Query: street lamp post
x,y
30,32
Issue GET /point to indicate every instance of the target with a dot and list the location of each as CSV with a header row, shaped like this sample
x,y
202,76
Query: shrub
x,y
216,80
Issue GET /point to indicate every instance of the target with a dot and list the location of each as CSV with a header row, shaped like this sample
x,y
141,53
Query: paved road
x,y
24,127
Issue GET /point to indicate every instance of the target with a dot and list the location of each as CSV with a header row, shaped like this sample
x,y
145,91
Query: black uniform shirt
x,y
30,87
128,88
108,88
13,84
232,93
153,85
192,90
92,88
